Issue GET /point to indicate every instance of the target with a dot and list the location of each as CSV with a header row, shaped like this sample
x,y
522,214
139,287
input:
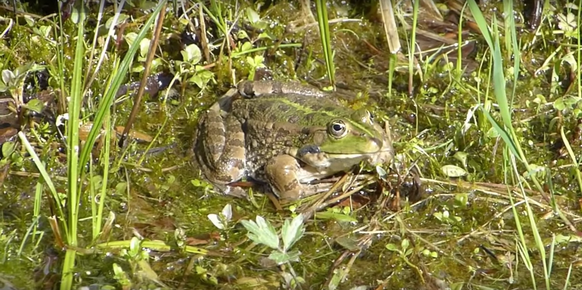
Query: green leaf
x,y
461,199
8,148
130,38
339,274
120,276
461,156
294,255
192,54
241,34
252,15
202,77
264,35
45,30
279,257
566,102
453,171
251,61
392,247
262,232
134,247
197,80
144,47
35,105
7,77
381,171
292,232
121,187
29,20
78,15
246,46
405,244
282,258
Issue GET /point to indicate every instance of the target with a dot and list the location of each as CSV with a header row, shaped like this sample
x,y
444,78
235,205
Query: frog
x,y
286,135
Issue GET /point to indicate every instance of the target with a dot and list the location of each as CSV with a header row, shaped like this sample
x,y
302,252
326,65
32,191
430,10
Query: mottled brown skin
x,y
287,138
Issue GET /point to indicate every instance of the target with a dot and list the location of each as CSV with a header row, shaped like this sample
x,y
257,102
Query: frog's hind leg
x,y
224,153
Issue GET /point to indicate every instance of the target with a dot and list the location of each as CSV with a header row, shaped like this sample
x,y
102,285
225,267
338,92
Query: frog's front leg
x,y
289,180
223,156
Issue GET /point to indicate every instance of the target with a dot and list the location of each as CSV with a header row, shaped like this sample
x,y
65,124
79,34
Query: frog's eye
x,y
337,128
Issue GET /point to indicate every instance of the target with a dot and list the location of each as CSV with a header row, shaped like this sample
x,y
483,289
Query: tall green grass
x,y
514,155
325,36
68,209
412,48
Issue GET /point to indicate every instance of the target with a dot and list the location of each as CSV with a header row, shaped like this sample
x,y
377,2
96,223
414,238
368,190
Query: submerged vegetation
x,y
100,104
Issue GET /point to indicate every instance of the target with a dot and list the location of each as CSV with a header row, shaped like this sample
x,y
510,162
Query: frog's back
x,y
290,108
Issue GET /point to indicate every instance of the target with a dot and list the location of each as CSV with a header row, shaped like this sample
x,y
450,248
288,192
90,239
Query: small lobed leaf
x,y
282,258
262,232
292,232
293,256
279,257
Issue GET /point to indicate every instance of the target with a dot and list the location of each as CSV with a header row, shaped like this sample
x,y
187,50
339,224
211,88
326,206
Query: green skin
x,y
285,135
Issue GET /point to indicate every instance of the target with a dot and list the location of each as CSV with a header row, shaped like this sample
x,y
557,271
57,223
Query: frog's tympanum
x,y
286,135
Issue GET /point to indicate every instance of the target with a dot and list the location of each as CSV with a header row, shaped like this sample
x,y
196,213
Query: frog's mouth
x,y
322,165
375,155
344,161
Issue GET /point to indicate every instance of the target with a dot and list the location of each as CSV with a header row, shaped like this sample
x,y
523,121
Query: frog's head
x,y
347,140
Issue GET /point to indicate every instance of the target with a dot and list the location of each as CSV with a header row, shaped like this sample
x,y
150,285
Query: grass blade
x,y
325,39
117,79
73,124
43,173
